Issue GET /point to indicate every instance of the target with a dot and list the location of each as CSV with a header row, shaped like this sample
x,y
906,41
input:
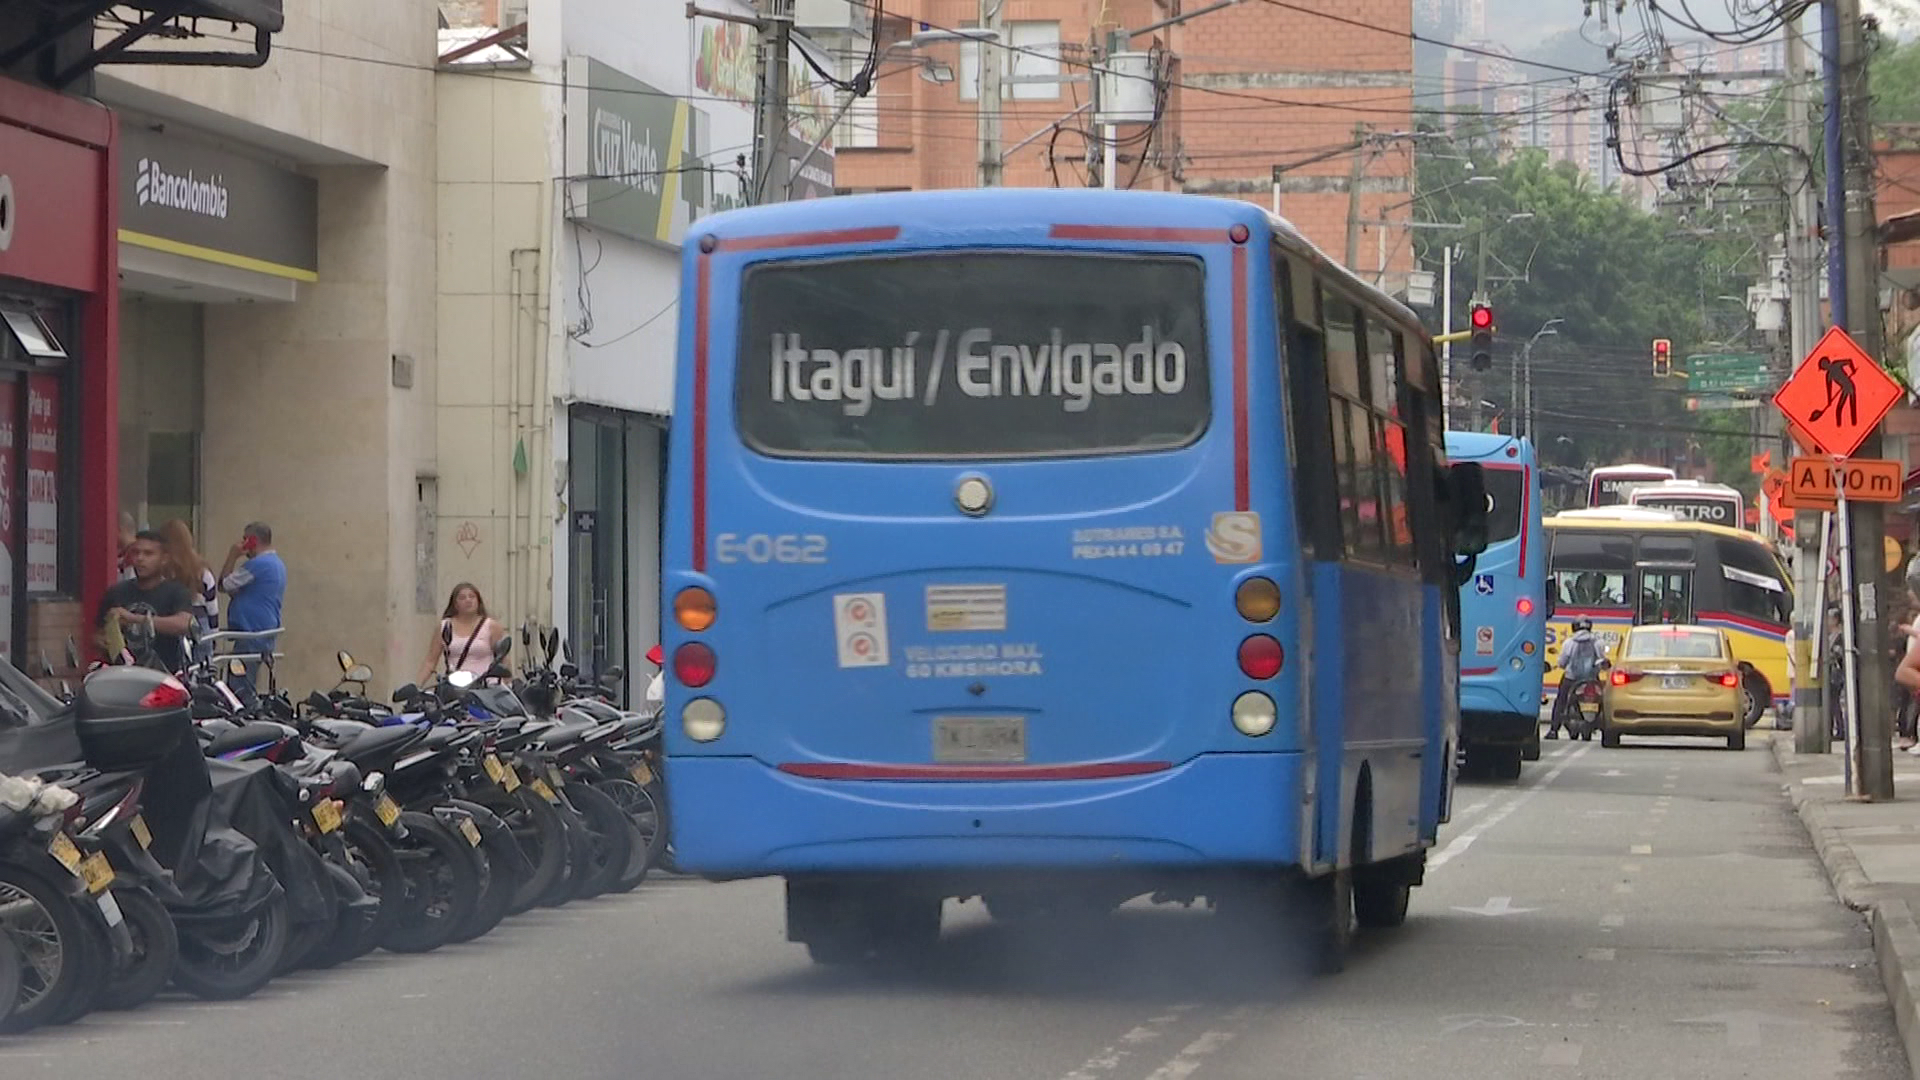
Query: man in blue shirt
x,y
255,587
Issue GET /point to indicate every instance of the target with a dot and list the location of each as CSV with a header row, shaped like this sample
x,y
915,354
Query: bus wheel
x,y
1380,896
1507,765
1323,909
1755,696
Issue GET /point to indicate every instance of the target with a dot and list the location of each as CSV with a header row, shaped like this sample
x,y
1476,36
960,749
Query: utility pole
x,y
1446,325
1353,194
1872,753
1810,729
771,164
990,54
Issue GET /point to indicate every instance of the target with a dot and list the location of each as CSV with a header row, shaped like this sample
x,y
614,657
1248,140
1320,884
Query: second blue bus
x,y
1503,610
1055,548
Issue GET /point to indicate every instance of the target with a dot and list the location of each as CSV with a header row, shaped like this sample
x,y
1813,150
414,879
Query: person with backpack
x,y
1580,663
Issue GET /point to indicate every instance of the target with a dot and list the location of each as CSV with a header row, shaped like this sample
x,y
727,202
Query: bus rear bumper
x,y
740,817
1480,727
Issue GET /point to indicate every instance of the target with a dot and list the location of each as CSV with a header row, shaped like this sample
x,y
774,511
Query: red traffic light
x,y
1662,347
1482,318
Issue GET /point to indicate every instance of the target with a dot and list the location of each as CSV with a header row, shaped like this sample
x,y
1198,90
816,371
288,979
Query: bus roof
x,y
1476,445
1689,487
1644,519
1021,216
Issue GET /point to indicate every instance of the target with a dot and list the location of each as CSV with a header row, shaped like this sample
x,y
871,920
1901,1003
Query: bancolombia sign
x,y
207,203
634,152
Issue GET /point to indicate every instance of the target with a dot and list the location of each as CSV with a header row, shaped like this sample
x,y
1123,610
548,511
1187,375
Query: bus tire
x,y
1324,910
1532,750
1507,765
1380,896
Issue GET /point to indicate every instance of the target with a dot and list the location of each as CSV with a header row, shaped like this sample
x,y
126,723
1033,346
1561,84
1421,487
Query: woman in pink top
x,y
464,639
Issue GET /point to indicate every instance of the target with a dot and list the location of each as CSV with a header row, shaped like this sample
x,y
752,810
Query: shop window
x,y
43,484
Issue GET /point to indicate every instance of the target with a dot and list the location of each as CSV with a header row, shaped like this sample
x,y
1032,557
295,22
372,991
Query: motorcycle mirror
x,y
461,679
360,673
73,653
506,646
566,650
553,643
446,633
657,656
405,693
319,702
345,658
237,667
615,674
526,636
568,671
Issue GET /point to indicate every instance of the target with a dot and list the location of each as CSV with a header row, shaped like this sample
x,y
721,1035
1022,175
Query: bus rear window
x,y
973,355
1507,492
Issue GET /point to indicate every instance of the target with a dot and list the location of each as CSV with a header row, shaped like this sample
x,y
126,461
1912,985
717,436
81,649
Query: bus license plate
x,y
1674,682
979,739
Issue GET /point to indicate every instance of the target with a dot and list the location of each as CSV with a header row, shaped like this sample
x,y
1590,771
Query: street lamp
x,y
1550,328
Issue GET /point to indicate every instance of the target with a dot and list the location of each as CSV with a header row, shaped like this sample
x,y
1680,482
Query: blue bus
x,y
1055,548
1503,610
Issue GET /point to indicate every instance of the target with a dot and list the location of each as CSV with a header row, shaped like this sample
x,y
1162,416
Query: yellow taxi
x,y
1673,680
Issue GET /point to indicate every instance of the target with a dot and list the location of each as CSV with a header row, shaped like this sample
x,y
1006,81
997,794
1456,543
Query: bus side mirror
x,y
1472,507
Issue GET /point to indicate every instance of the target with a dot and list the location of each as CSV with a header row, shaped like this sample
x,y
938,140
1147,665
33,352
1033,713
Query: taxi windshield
x,y
1671,644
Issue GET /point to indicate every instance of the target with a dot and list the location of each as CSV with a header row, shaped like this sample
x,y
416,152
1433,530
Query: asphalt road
x,y
1652,911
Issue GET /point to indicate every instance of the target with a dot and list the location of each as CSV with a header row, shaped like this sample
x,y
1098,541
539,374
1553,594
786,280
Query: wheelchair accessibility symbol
x,y
1483,584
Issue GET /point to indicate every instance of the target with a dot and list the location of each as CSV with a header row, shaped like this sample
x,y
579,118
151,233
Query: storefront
x,y
58,355
615,462
205,229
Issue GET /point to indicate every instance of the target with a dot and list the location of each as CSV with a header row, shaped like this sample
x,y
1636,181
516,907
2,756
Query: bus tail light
x,y
694,664
703,720
1261,657
694,609
1257,599
1254,714
1524,606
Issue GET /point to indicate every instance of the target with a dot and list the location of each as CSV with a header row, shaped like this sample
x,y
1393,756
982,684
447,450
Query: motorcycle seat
x,y
566,734
245,736
379,743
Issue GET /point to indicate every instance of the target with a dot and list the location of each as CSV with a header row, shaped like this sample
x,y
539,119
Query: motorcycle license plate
x,y
140,832
62,849
110,908
97,872
541,789
471,831
326,815
642,774
1674,682
386,810
496,772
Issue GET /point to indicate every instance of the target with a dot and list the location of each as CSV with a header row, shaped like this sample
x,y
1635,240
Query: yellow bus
x,y
1627,566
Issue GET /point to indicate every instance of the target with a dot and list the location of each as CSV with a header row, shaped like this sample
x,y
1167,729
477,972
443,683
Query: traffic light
x,y
1662,358
1480,318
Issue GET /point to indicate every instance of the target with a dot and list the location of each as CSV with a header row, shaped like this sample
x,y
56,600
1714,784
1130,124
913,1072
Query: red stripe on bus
x,y
822,238
1241,485
701,277
1139,233
1526,505
1478,670
1744,622
1098,770
1617,614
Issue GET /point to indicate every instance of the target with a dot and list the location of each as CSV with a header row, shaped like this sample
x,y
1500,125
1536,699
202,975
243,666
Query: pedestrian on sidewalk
x,y
144,619
255,581
465,638
193,574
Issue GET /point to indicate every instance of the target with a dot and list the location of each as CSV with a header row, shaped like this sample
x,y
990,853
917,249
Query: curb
x,y
1896,944
1843,867
1896,934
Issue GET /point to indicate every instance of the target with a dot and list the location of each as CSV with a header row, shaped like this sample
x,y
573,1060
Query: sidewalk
x,y
1872,854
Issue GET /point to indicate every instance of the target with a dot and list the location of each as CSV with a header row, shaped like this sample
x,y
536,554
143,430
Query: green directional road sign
x,y
1722,373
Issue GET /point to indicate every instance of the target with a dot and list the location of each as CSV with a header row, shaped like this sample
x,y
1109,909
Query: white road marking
x,y
1585,1000
1612,922
1465,840
1623,887
1640,849
1630,867
1598,954
1189,1059
1110,1058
